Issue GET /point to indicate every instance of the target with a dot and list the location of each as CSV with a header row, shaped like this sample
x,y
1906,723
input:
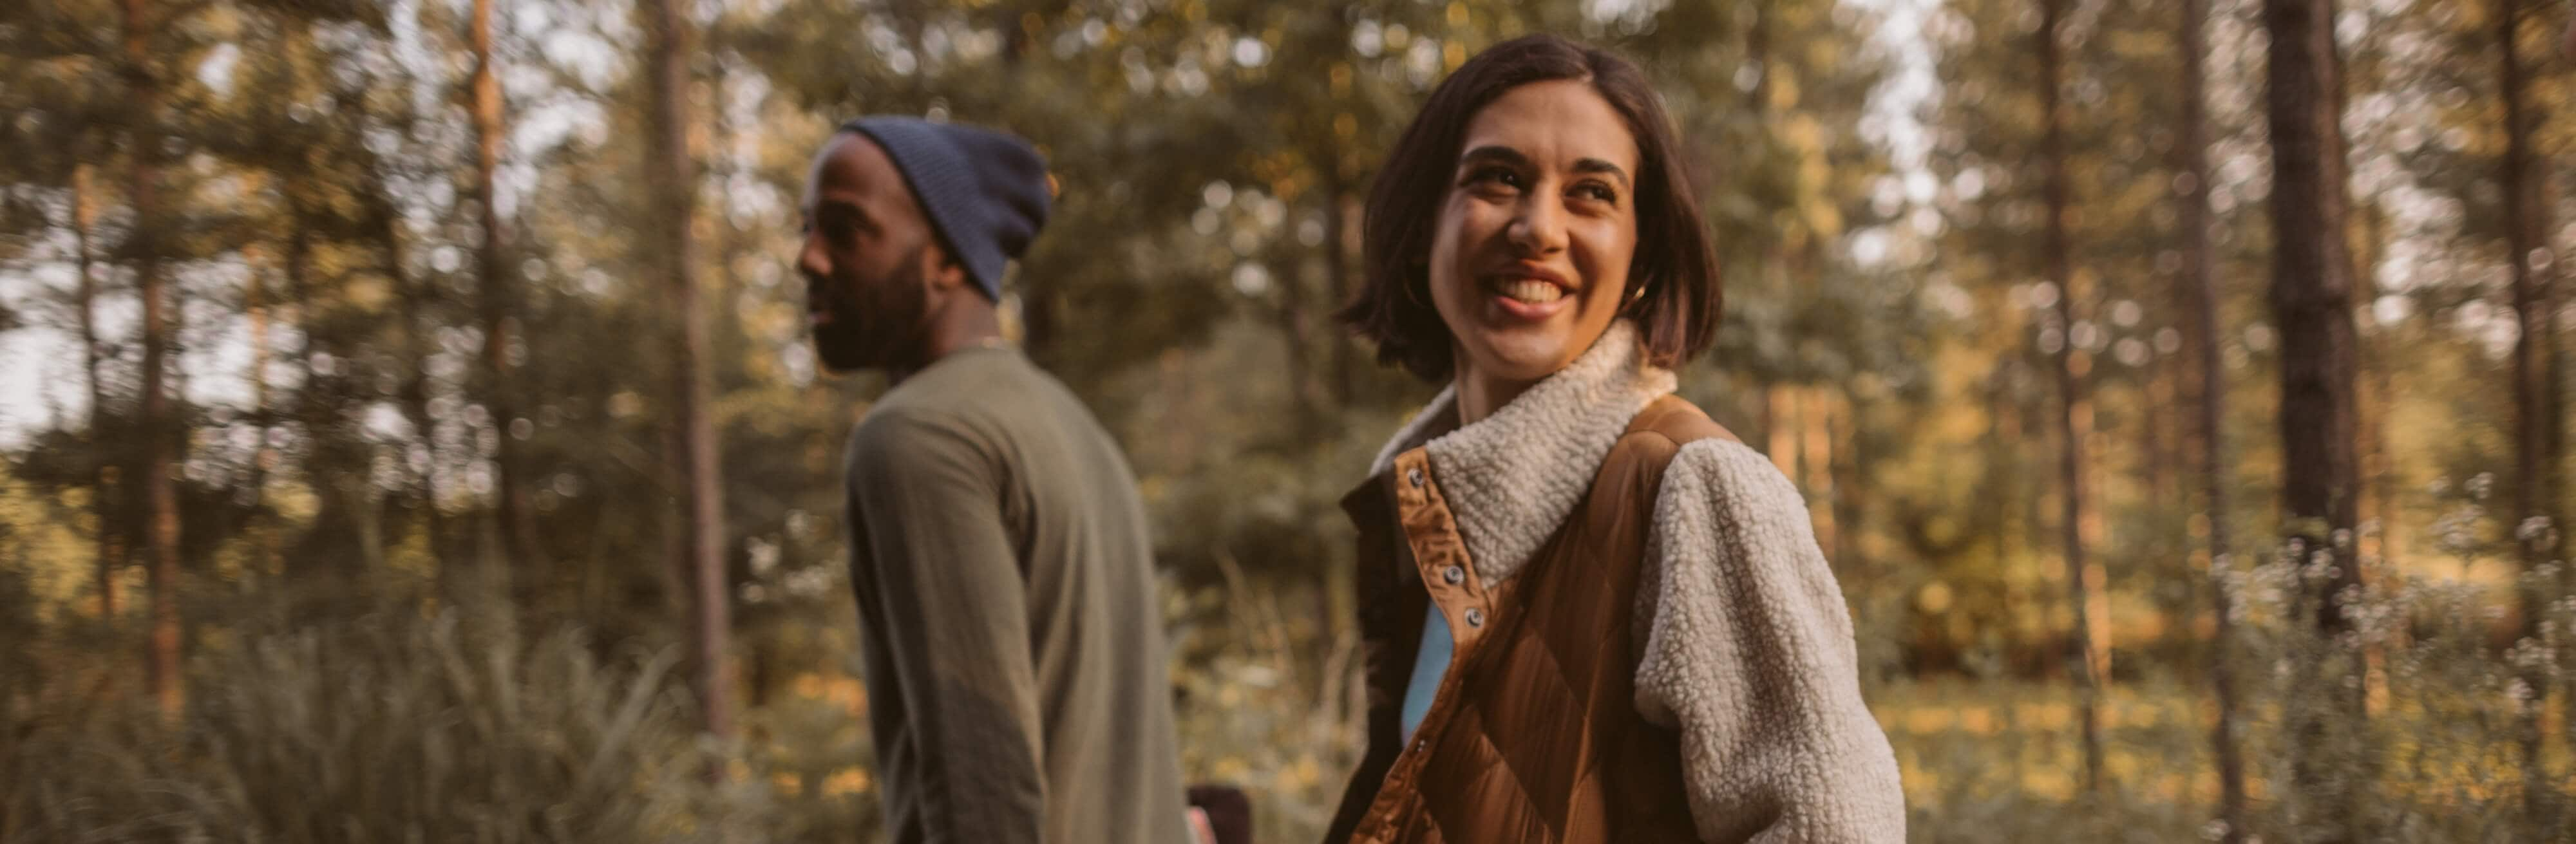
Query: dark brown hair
x,y
1674,266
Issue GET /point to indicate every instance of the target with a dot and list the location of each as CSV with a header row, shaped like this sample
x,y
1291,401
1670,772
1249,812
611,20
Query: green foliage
x,y
357,674
2438,759
1270,701
383,728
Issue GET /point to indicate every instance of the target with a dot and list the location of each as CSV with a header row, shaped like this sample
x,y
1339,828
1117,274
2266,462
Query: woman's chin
x,y
1524,355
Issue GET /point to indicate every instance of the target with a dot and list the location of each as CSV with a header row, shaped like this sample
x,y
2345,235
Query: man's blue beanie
x,y
985,192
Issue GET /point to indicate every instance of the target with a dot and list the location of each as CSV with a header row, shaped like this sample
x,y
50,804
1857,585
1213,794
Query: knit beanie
x,y
985,191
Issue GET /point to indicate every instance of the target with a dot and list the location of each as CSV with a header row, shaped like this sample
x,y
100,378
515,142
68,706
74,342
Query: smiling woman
x,y
1532,110
1531,259
1591,614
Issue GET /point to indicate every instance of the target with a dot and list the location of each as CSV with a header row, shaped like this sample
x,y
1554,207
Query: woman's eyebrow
x,y
1504,154
1595,165
1513,157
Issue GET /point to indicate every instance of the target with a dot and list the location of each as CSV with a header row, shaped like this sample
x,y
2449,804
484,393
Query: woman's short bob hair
x,y
1675,269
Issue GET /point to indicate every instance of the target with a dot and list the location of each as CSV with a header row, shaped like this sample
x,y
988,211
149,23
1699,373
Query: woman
x,y
1592,615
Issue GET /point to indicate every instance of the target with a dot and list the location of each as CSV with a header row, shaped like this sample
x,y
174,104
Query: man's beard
x,y
875,325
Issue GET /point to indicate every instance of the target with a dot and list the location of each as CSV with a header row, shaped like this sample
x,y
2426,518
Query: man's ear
x,y
944,270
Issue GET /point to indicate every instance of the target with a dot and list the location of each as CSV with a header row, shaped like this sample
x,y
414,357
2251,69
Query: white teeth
x,y
1531,291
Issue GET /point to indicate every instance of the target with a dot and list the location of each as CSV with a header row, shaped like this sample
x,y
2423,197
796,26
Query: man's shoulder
x,y
966,382
1000,389
958,403
952,387
896,422
909,429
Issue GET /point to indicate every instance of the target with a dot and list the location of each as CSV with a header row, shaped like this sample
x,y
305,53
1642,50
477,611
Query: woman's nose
x,y
1538,228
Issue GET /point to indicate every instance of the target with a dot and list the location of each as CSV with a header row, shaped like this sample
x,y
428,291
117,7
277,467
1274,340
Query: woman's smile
x,y
1529,293
1534,242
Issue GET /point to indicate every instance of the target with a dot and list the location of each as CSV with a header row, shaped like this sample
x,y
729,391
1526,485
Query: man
x,y
1014,651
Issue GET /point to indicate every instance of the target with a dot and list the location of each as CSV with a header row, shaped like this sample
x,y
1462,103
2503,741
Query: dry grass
x,y
392,727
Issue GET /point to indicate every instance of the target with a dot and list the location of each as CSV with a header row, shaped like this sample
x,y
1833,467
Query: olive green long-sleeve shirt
x,y
1014,652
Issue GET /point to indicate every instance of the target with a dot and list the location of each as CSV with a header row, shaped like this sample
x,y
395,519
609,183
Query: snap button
x,y
1453,574
1414,477
1475,617
1420,745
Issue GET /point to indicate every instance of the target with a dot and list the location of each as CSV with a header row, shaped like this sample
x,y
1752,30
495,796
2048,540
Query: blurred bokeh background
x,y
353,351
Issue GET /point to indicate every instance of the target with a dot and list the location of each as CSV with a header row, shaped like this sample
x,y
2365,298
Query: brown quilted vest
x,y
1534,734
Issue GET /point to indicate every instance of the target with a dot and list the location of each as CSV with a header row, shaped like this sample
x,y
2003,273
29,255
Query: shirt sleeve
x,y
1749,656
927,502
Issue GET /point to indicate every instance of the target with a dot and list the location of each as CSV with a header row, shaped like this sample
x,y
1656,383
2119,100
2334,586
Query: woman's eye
x,y
1502,176
1597,192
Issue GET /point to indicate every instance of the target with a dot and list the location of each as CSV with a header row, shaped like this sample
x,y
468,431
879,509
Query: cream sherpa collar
x,y
1513,477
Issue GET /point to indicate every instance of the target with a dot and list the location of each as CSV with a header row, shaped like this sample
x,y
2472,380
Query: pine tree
x,y
2311,304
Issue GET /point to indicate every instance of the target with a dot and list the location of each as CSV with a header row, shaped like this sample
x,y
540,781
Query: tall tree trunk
x,y
1779,404
110,531
1341,245
1816,462
160,495
2031,486
2311,303
2371,408
419,321
2074,410
255,309
1850,472
1307,410
2002,474
337,547
699,485
2535,386
1779,427
308,413
2201,261
2371,397
2155,458
498,313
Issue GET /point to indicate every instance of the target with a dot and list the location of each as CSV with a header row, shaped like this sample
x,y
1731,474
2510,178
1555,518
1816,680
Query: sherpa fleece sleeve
x,y
1748,655
950,604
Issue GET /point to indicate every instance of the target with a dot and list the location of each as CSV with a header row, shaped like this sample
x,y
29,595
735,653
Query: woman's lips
x,y
1530,290
1526,296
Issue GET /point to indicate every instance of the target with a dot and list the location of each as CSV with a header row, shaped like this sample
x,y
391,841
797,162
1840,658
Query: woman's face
x,y
1530,259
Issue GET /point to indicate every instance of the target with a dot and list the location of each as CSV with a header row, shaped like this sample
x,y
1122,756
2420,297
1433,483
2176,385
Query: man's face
x,y
868,258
